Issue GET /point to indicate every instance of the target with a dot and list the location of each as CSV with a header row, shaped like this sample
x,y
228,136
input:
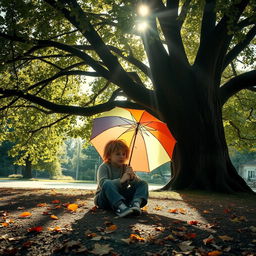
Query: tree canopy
x,y
182,62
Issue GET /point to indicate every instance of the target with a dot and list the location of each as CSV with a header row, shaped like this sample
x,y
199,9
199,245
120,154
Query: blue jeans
x,y
111,194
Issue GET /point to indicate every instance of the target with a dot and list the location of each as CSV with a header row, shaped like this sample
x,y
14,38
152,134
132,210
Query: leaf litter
x,y
166,227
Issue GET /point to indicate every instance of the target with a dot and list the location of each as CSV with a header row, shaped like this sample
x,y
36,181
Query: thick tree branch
x,y
144,68
171,26
236,84
71,110
207,37
82,22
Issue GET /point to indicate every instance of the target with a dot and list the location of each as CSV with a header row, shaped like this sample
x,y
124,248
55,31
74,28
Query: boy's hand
x,y
130,171
125,177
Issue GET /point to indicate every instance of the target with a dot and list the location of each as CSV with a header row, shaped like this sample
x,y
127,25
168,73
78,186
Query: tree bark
x,y
200,159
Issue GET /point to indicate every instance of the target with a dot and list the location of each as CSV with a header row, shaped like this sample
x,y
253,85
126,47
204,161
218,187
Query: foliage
x,y
192,59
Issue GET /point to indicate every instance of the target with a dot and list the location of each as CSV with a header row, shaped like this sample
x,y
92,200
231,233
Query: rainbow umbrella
x,y
149,139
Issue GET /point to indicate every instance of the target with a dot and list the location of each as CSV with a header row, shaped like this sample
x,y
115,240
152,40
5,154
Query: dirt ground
x,y
65,222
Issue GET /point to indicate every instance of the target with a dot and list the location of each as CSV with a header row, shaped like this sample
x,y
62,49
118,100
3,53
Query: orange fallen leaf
x,y
173,210
55,201
206,211
182,211
90,235
5,224
72,207
158,208
25,215
144,209
111,228
57,229
54,217
41,205
35,229
214,253
138,238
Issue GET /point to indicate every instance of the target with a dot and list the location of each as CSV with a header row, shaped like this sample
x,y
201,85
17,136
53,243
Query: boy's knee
x,y
143,183
107,184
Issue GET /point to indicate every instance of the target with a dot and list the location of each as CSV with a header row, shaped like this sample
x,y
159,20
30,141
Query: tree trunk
x,y
27,171
200,158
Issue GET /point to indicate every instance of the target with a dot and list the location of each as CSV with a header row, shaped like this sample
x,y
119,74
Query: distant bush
x,y
62,177
16,176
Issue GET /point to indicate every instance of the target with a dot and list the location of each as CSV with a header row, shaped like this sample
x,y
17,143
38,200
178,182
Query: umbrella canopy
x,y
149,139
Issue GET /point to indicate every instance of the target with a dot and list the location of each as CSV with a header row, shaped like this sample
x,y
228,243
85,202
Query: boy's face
x,y
118,158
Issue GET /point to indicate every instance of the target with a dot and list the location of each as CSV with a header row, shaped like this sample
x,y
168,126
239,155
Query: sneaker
x,y
122,210
135,207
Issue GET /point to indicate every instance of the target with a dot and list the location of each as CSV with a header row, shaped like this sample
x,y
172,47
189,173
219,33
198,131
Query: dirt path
x,y
171,224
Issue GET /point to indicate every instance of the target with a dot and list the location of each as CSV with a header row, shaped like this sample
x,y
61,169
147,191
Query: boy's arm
x,y
103,174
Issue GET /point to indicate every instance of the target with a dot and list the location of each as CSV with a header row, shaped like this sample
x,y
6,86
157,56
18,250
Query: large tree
x,y
172,66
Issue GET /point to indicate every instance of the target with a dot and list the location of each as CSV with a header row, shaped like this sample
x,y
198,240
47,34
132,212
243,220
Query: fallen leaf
x,y
25,215
126,240
144,209
182,211
36,229
5,224
56,229
111,228
169,237
55,201
72,246
186,246
138,238
158,208
27,244
206,211
226,238
72,207
42,205
160,229
54,217
94,209
214,253
190,235
193,222
101,249
173,210
227,210
253,229
208,240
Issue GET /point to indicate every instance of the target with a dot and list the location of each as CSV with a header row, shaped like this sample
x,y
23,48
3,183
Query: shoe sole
x,y
126,213
136,210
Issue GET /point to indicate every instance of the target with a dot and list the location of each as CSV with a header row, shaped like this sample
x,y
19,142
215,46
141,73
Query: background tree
x,y
173,68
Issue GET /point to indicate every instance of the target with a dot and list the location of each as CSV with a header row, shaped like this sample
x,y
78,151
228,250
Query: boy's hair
x,y
112,146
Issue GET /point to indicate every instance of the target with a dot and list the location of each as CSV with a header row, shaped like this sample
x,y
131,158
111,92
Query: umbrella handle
x,y
133,142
